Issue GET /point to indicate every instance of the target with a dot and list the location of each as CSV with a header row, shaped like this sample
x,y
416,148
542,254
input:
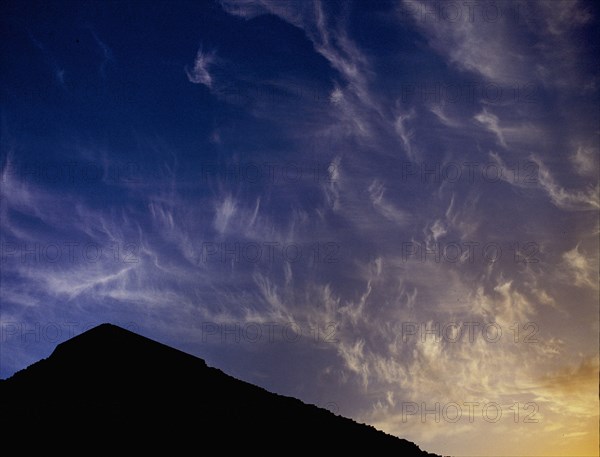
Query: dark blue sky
x,y
286,188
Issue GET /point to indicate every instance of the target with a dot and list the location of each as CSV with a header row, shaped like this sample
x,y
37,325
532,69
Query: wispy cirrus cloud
x,y
199,73
585,199
357,177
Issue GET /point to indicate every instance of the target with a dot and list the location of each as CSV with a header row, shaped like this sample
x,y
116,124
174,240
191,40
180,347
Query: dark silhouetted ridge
x,y
113,387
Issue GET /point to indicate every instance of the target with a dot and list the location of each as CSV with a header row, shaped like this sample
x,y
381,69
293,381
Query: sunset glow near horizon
x,y
388,209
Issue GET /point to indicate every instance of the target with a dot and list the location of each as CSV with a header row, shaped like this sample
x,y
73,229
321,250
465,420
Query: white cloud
x,y
581,268
444,118
491,122
562,15
224,211
107,54
490,40
536,173
387,209
475,45
585,161
588,199
405,133
200,74
438,229
336,96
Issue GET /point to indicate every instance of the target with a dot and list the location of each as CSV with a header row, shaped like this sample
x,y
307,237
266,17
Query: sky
x,y
388,209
